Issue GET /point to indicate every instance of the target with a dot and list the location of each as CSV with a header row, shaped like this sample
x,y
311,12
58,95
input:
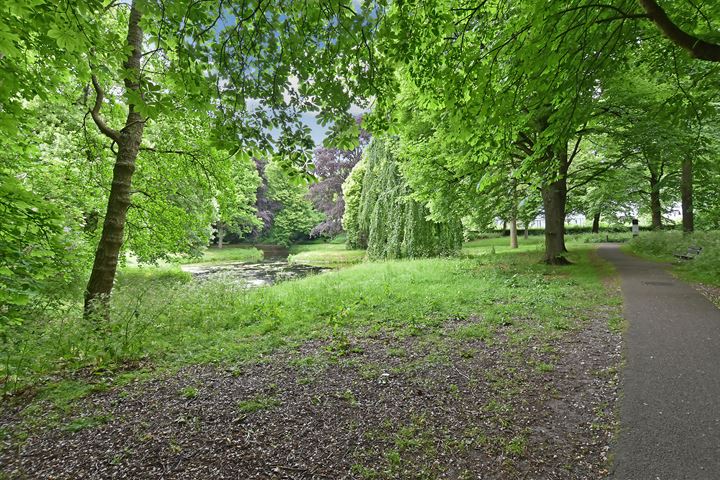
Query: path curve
x,y
670,406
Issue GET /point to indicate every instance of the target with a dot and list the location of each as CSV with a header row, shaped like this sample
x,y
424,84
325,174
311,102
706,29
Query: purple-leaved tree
x,y
332,166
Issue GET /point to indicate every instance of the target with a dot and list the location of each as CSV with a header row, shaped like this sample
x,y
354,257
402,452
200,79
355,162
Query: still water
x,y
272,269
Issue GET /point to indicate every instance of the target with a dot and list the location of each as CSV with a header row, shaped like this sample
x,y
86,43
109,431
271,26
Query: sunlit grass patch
x,y
229,253
328,258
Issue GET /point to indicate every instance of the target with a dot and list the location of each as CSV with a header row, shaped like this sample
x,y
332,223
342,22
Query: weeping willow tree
x,y
382,216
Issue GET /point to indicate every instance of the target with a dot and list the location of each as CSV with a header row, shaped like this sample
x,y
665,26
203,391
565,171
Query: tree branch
x,y
114,135
697,48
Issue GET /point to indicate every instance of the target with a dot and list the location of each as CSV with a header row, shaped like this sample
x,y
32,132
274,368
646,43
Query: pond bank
x,y
274,267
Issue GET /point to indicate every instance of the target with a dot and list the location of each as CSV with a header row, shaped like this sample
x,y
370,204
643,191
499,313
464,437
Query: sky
x,y
318,132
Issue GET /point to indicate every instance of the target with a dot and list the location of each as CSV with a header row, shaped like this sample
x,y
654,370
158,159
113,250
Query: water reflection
x,y
272,269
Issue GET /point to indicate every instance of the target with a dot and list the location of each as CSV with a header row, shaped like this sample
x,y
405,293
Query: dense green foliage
x,y
296,216
484,112
352,191
181,96
387,217
497,102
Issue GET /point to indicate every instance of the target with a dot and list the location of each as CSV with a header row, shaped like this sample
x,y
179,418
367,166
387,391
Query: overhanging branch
x,y
697,47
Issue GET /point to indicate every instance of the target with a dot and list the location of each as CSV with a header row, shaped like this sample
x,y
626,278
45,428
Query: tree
x,y
295,216
236,204
696,46
659,126
395,224
516,81
177,57
352,192
332,167
39,249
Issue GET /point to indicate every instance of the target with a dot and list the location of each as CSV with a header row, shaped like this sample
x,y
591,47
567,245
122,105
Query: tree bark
x,y
513,233
128,141
596,223
554,197
527,231
695,46
686,195
655,205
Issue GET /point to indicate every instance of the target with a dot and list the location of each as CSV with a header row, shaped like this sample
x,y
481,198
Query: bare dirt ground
x,y
377,406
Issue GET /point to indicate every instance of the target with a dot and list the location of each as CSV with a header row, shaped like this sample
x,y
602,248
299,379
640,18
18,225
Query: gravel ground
x,y
377,406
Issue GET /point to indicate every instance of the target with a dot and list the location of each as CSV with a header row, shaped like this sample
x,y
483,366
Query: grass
x,y
335,254
163,322
325,254
144,274
229,253
660,246
536,243
86,422
256,404
210,255
502,244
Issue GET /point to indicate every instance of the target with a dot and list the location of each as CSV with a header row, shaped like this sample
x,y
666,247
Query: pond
x,y
272,269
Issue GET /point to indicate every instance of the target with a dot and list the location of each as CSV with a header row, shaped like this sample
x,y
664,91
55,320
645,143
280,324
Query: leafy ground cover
x,y
400,369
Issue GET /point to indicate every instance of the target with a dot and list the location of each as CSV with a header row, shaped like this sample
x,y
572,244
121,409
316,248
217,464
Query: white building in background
x,y
539,222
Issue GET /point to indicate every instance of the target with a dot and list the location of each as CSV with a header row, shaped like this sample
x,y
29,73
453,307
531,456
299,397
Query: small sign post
x,y
635,227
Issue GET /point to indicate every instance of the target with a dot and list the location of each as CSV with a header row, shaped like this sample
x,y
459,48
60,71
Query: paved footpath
x,y
670,406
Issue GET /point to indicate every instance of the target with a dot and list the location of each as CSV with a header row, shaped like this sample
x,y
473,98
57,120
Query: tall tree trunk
x,y
504,227
554,196
596,223
655,205
513,213
220,234
527,231
513,233
686,194
128,142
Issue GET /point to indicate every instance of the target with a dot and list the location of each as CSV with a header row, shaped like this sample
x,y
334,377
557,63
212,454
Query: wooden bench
x,y
691,252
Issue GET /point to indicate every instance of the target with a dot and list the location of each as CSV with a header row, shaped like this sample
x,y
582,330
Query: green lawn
x,y
483,246
325,254
336,254
229,253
